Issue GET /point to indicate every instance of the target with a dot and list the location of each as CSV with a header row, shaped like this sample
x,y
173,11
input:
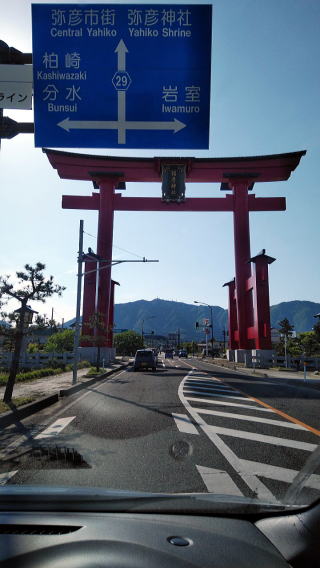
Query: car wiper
x,y
299,482
69,499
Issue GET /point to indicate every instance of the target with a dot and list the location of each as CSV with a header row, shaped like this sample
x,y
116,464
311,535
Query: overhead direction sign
x,y
122,76
16,86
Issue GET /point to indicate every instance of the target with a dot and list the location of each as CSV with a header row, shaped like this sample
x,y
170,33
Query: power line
x,y
116,247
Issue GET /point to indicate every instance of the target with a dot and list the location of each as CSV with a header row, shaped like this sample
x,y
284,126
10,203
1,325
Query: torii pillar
x,y
105,297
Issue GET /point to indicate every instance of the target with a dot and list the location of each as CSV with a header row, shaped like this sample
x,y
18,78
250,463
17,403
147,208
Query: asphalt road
x,y
189,427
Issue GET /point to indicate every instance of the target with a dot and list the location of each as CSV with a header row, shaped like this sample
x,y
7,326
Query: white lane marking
x,y
184,424
279,473
218,481
55,428
250,418
286,442
227,395
4,477
227,403
261,491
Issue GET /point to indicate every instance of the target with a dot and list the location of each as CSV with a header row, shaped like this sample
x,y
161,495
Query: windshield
x,y
161,163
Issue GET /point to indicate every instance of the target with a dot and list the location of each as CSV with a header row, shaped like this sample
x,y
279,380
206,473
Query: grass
x,y
18,401
92,372
36,374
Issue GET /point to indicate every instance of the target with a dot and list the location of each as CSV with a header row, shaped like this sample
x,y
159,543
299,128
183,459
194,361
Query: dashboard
x,y
135,540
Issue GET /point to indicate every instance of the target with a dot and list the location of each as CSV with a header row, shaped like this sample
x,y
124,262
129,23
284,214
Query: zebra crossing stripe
x,y
192,391
227,403
264,438
261,491
281,423
209,386
279,473
218,481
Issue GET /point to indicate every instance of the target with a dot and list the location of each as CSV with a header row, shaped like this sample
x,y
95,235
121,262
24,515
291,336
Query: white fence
x,y
42,359
37,360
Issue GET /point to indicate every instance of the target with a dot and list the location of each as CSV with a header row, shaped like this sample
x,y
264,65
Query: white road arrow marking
x,y
68,125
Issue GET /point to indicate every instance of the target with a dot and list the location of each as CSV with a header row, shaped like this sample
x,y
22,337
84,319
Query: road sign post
x,y
122,76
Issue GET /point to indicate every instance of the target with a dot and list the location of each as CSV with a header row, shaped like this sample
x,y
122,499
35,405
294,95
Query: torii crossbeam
x,y
237,174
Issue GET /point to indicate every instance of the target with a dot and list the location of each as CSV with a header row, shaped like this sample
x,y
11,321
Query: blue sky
x,y
265,100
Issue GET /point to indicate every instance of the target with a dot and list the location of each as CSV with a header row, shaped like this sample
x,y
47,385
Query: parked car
x,y
183,353
144,359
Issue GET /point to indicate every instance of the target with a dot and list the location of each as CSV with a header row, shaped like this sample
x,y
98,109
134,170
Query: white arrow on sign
x,y
121,50
68,125
121,125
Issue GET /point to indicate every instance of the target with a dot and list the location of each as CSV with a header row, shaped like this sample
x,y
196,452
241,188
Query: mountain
x,y
164,316
299,313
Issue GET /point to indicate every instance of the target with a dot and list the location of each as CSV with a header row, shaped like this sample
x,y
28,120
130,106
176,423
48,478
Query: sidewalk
x,y
45,386
46,391
296,376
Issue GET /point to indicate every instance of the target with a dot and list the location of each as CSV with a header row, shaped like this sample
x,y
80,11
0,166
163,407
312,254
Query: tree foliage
x,y
60,342
127,342
285,327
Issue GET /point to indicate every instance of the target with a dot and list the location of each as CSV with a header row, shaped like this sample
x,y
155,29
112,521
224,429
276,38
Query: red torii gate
x,y
249,318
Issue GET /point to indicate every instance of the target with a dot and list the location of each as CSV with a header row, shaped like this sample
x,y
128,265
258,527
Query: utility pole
x,y
76,340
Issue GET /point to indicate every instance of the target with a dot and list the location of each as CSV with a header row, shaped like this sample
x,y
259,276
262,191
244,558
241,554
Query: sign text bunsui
x,y
122,76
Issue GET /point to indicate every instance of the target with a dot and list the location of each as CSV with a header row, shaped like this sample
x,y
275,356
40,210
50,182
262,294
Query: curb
x,y
71,390
26,410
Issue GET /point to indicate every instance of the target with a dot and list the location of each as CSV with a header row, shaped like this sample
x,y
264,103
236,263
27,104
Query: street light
x,y
211,307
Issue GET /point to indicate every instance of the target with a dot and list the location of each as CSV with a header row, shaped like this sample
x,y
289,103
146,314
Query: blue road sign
x,y
121,76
